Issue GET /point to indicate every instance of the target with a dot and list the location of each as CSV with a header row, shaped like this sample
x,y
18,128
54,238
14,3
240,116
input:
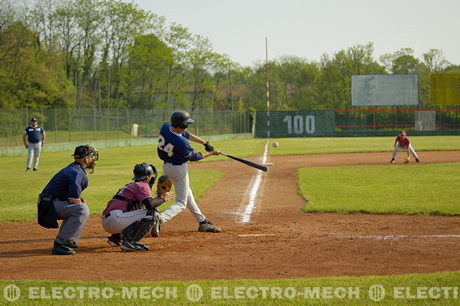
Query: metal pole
x,y
268,87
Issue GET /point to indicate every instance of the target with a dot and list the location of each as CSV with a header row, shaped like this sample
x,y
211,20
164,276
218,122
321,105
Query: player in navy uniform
x,y
34,138
64,192
175,150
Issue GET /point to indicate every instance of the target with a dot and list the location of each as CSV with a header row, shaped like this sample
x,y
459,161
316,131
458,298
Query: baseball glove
x,y
164,185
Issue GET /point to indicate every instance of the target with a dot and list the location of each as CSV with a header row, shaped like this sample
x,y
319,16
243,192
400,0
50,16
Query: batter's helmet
x,y
141,171
181,119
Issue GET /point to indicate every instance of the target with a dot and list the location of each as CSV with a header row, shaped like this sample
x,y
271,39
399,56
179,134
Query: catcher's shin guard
x,y
136,231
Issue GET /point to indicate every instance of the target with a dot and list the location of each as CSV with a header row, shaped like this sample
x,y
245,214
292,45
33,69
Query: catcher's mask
x,y
181,119
84,151
141,171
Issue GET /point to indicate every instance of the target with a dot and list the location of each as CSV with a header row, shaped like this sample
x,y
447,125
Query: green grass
x,y
413,189
248,292
19,190
296,146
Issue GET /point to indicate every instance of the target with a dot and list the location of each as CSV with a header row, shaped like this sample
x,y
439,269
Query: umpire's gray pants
x,y
74,216
33,153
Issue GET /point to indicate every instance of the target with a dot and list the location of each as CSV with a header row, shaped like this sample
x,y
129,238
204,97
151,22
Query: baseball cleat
x,y
62,250
417,160
142,246
114,240
207,226
131,246
67,243
392,160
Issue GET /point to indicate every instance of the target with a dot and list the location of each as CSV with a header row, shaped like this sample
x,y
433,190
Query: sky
x,y
310,28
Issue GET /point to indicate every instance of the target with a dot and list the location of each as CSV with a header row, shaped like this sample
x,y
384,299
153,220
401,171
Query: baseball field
x,y
330,222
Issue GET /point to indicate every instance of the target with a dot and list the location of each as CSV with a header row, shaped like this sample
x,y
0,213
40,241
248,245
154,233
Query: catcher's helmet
x,y
181,119
141,171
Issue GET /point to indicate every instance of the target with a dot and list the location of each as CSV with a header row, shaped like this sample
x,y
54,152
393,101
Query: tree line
x,y
113,54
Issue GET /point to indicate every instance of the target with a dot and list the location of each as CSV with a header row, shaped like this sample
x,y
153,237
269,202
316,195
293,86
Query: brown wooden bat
x,y
247,162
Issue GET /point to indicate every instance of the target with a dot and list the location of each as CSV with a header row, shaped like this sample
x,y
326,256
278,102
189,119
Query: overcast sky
x,y
309,28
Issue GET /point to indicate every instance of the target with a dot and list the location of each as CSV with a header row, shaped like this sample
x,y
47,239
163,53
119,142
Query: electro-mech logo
x,y
194,293
377,293
11,293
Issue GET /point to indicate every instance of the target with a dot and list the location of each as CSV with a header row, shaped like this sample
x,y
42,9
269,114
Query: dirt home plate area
x,y
279,241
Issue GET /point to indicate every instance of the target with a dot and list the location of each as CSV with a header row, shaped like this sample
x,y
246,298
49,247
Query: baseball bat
x,y
247,162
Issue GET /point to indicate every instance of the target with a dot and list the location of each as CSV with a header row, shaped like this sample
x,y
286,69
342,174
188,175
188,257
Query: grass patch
x,y
414,189
312,145
249,292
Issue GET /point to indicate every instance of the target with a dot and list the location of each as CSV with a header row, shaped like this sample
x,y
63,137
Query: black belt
x,y
175,164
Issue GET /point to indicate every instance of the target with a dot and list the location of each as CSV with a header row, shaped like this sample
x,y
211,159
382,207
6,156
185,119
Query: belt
x,y
175,164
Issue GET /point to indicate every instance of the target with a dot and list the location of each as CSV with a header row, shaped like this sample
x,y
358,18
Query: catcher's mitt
x,y
164,185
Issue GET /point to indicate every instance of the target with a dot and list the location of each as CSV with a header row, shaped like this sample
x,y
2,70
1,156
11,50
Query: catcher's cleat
x,y
155,232
114,240
130,246
207,226
417,160
142,246
62,250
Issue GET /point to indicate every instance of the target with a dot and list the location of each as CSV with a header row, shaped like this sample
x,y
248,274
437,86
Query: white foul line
x,y
397,237
252,195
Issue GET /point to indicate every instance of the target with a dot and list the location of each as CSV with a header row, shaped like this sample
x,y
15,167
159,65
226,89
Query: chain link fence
x,y
84,125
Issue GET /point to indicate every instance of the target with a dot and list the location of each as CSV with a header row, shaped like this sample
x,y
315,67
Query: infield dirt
x,y
280,241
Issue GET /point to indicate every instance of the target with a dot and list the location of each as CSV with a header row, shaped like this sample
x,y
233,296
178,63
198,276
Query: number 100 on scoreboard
x,y
299,124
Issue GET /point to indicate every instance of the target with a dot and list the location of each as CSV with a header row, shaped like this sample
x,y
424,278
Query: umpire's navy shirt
x,y
68,183
34,133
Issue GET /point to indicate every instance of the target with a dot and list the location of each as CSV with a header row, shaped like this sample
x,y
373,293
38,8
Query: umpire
x,y
63,196
34,138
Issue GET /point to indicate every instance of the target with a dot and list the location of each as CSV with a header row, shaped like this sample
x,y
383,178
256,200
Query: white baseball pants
x,y
184,195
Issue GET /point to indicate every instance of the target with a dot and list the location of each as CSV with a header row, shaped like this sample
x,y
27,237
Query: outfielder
x,y
131,214
175,151
34,138
403,142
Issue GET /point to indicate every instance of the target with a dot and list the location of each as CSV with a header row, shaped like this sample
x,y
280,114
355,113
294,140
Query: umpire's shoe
x,y
207,226
62,247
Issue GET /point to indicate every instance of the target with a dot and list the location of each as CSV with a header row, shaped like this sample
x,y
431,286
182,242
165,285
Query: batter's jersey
x,y
173,147
34,133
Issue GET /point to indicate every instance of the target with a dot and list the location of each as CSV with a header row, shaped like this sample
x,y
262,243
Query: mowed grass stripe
x,y
415,189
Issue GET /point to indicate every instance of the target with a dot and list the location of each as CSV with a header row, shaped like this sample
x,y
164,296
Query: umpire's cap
x,y
181,119
85,150
141,171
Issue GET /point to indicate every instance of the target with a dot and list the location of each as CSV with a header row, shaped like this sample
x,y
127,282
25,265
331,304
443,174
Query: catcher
x,y
131,214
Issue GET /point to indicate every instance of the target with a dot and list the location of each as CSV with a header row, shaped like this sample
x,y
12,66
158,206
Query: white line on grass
x,y
252,194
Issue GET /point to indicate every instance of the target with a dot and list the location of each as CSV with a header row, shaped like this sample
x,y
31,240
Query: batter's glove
x,y
164,185
208,147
